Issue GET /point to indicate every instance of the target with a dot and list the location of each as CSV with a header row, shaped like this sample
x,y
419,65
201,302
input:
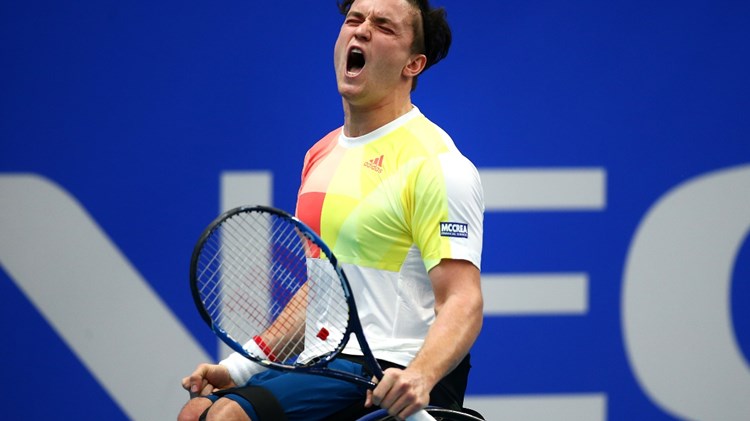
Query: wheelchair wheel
x,y
441,414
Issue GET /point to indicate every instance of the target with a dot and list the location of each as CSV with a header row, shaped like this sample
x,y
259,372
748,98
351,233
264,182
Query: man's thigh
x,y
307,397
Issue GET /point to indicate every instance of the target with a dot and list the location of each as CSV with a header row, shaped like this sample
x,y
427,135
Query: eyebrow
x,y
379,20
383,20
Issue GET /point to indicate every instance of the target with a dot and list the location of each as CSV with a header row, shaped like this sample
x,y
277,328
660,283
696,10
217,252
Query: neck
x,y
360,120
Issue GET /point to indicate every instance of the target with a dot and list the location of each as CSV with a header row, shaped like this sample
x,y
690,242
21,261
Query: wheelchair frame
x,y
440,414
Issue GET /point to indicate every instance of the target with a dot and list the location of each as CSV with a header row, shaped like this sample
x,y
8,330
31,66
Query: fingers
x,y
401,392
205,389
368,396
186,384
196,383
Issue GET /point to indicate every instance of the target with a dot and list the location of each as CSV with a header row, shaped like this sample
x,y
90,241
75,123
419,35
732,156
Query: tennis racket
x,y
273,291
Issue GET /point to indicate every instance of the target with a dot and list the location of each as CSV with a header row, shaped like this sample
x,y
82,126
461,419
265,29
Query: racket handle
x,y
421,416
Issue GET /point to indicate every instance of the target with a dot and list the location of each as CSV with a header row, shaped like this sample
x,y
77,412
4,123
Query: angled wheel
x,y
440,414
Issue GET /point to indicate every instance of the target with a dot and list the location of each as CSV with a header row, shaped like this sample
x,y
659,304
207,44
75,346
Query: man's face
x,y
373,49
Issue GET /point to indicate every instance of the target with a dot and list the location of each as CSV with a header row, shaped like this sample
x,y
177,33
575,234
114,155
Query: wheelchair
x,y
440,414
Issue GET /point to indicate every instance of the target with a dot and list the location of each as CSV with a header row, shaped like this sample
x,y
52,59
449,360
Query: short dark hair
x,y
434,39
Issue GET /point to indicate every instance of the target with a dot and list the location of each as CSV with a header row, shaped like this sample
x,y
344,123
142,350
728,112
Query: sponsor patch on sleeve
x,y
454,229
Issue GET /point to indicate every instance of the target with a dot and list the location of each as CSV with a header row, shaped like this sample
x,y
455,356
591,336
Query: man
x,y
402,210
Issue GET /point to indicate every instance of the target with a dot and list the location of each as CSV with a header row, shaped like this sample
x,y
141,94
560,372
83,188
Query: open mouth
x,y
355,61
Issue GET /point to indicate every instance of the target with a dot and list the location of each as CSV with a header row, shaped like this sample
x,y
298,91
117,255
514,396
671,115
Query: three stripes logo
x,y
375,164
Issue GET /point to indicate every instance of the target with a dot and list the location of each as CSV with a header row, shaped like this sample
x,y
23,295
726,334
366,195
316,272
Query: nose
x,y
363,31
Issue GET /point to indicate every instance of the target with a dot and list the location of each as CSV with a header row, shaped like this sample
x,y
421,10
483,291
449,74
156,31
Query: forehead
x,y
394,10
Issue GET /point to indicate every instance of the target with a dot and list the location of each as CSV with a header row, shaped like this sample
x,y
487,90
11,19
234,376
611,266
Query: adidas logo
x,y
375,164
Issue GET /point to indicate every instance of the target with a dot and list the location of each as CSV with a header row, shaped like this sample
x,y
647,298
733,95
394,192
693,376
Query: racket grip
x,y
421,416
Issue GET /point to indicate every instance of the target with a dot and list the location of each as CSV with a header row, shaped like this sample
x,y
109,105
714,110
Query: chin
x,y
349,92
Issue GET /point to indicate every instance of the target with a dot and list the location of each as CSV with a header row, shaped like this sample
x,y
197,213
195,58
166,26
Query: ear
x,y
415,65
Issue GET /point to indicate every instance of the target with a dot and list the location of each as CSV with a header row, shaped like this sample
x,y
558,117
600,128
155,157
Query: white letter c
x,y
676,317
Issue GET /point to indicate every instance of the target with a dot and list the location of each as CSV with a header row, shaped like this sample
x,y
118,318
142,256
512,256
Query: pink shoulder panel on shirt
x,y
311,193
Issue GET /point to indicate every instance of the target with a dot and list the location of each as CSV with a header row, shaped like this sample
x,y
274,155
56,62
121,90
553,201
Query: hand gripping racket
x,y
271,289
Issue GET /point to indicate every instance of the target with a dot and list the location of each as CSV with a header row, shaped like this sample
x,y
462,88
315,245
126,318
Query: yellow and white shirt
x,y
391,205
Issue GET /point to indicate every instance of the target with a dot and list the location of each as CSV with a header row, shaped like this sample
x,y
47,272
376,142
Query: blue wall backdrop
x,y
613,139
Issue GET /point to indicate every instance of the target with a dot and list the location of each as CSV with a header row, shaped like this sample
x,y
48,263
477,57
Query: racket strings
x,y
255,278
229,299
249,272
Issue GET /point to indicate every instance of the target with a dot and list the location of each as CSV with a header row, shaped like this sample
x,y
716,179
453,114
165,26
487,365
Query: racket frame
x,y
320,366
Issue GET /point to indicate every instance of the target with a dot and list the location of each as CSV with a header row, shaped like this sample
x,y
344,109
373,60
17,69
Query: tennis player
x,y
402,210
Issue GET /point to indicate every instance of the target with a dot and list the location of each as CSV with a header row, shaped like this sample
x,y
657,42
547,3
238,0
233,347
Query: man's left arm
x,y
458,309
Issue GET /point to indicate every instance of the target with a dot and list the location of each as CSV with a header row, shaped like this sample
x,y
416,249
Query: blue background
x,y
137,107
